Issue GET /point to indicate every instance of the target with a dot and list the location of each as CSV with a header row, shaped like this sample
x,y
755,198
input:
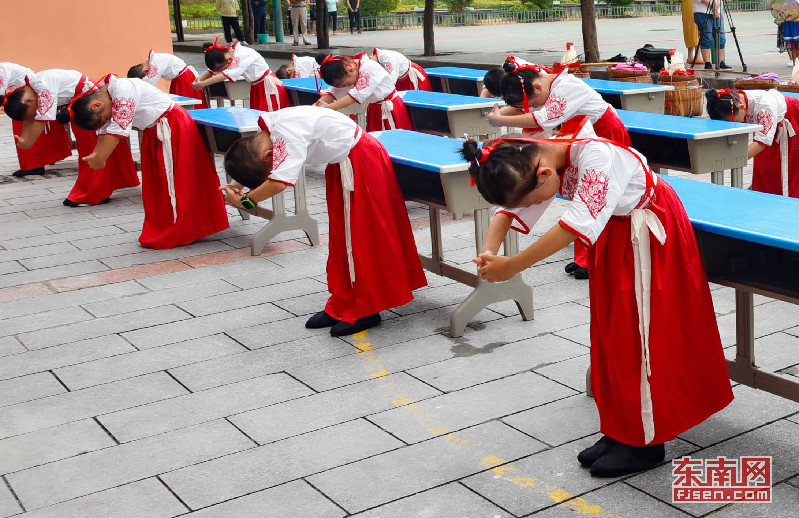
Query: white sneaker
x,y
244,43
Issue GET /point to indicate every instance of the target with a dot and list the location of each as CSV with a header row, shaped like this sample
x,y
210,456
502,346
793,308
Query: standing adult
x,y
690,32
259,16
298,15
332,11
707,15
354,11
229,12
312,7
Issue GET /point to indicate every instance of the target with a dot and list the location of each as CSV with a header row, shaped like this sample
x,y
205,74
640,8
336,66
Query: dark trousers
x,y
355,19
333,19
260,24
229,22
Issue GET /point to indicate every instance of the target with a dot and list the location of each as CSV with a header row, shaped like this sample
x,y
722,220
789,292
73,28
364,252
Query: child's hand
x,y
232,195
93,161
197,85
22,143
496,268
322,104
494,118
479,261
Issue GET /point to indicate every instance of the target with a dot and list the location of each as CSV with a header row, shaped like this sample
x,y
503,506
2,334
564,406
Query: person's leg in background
x,y
295,20
226,28
302,15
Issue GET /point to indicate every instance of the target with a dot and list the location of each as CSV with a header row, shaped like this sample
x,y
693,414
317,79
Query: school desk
x,y
430,171
187,102
450,114
223,126
748,242
641,97
303,92
231,90
456,80
691,144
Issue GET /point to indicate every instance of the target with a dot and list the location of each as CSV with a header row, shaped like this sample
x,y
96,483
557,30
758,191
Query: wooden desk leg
x,y
434,262
308,225
588,391
737,177
445,85
743,368
717,177
486,293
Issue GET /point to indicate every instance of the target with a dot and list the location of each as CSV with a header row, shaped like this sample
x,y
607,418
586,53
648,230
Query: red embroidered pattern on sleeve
x,y
569,182
152,71
2,84
555,106
765,119
279,152
389,67
594,191
234,63
122,110
362,82
44,101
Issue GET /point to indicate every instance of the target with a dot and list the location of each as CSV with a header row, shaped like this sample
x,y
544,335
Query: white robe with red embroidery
x,y
163,65
305,66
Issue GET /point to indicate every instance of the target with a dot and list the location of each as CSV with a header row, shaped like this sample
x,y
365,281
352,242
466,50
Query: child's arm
x,y
31,131
495,235
102,150
510,116
500,268
755,148
259,194
335,105
206,79
485,93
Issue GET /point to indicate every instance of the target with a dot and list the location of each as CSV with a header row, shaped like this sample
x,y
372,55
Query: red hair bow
x,y
217,46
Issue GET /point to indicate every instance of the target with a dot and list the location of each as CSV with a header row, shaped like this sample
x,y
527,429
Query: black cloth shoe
x,y
345,328
320,320
581,273
624,460
569,268
27,172
105,200
70,203
708,65
588,456
724,66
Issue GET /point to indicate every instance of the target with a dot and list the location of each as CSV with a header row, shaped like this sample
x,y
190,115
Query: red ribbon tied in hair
x,y
216,45
728,91
72,101
482,157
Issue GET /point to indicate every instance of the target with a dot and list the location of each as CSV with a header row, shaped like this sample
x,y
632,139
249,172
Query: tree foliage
x,y
375,7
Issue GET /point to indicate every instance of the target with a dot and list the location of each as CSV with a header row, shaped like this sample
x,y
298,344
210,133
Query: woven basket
x,y
631,76
585,71
686,98
754,84
788,88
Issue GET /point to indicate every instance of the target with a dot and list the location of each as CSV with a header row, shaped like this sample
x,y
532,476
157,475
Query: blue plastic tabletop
x,y
473,74
305,84
422,150
790,94
233,118
690,128
739,213
445,101
184,101
604,86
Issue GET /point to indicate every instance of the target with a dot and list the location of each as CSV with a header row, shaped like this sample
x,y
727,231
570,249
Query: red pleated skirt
x,y
387,266
611,127
767,173
95,185
258,97
689,380
405,83
181,85
51,147
374,116
200,206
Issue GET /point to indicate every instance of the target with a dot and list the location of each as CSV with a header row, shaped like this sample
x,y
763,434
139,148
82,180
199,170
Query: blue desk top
x,y
456,73
422,150
790,94
305,84
738,213
446,102
184,101
604,86
690,128
232,118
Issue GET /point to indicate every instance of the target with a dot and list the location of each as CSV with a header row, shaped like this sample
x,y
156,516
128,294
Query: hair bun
x,y
62,115
470,151
508,66
207,45
319,58
712,95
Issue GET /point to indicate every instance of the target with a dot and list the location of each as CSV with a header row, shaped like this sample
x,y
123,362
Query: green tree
x,y
537,4
375,7
457,6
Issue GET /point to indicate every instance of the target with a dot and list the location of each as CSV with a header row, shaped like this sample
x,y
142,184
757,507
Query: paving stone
x,y
770,317
36,251
159,298
143,320
10,345
144,498
78,476
11,267
470,406
254,268
544,479
579,334
305,305
403,472
277,463
8,504
724,299
558,422
51,444
162,416
200,306
150,256
776,440
82,255
447,501
31,230
292,499
426,299
26,388
316,411
784,502
749,410
617,499
133,219
67,299
269,334
74,406
274,274
48,319
62,237
59,356
476,363
106,240
776,351
48,274
568,372
164,334
143,362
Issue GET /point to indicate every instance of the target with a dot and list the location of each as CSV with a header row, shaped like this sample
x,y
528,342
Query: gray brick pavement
x,y
26,388
448,501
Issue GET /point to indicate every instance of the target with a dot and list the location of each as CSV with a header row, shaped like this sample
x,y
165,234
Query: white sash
x,y
644,221
386,107
164,133
347,188
270,87
784,132
415,76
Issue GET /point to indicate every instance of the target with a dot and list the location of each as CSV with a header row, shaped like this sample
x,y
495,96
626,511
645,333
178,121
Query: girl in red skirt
x,y
775,171
238,62
51,146
179,181
36,105
373,264
180,76
657,366
361,80
406,74
541,100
